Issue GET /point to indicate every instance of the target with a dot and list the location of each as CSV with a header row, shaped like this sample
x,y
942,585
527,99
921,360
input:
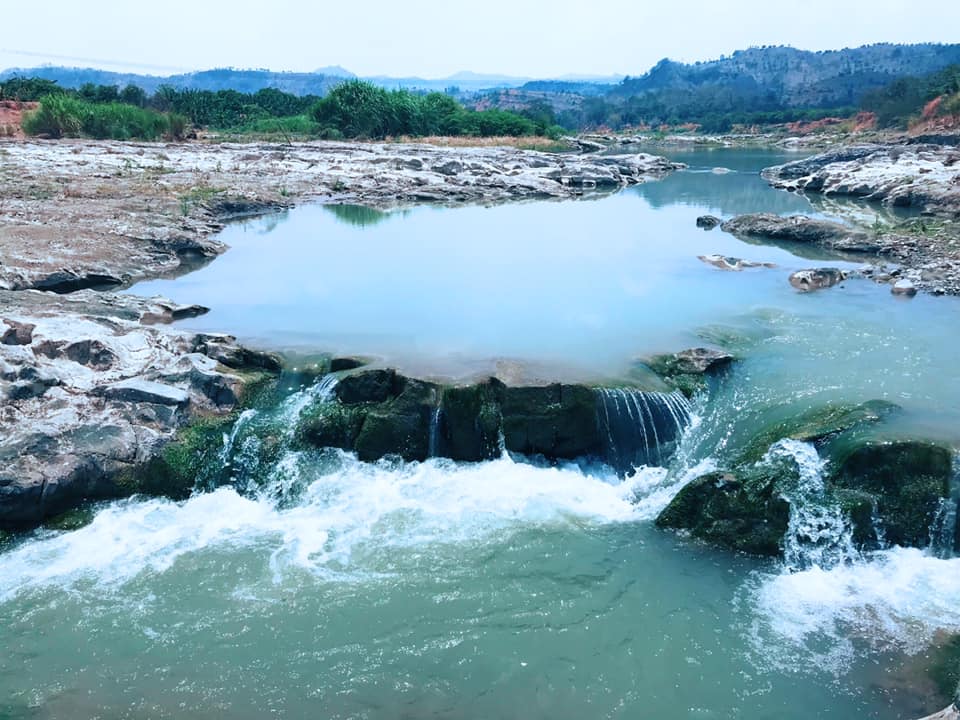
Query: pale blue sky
x,y
433,38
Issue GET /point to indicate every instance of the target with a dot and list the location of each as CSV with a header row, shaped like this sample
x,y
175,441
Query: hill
x,y
246,81
784,77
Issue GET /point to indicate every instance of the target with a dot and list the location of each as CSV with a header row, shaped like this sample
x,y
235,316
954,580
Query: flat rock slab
x,y
138,390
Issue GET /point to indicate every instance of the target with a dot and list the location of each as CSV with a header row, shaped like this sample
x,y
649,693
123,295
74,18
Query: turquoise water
x,y
502,589
590,284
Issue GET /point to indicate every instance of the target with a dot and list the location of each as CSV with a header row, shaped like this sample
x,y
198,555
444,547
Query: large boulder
x,y
556,421
817,425
743,511
905,482
888,491
803,230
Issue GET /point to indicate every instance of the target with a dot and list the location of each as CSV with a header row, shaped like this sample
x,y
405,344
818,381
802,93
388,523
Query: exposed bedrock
x,y
80,214
927,252
90,392
379,413
921,176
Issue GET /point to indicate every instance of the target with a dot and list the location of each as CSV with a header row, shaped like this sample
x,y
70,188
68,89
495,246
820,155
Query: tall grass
x,y
63,116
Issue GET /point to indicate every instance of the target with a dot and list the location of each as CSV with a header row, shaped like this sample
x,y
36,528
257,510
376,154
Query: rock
x,y
708,222
17,333
920,175
557,421
369,386
743,511
904,288
686,370
472,421
137,390
92,353
722,262
804,230
906,481
400,426
342,364
818,425
451,167
817,279
225,350
165,313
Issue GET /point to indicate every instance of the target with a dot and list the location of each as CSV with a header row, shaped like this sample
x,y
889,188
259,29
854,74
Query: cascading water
x,y
641,428
945,531
818,534
434,439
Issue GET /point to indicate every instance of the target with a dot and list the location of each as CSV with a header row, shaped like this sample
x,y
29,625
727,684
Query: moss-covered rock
x,y
906,480
332,425
688,370
743,511
400,426
71,519
471,422
191,459
556,421
817,426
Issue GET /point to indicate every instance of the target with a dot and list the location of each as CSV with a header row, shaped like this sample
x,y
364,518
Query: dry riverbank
x,y
80,213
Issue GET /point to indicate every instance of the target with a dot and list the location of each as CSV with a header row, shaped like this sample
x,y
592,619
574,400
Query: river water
x,y
503,589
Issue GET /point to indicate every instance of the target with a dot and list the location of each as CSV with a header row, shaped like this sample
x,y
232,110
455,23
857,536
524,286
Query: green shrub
x,y
58,116
63,116
359,109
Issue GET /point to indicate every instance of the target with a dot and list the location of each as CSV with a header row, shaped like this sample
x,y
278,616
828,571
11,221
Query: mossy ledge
x,y
890,491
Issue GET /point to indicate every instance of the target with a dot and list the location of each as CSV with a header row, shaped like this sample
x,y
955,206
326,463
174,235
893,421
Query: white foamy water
x,y
898,599
341,516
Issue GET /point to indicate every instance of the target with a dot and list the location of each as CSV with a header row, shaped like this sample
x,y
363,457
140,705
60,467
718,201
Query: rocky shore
x,y
83,214
929,261
92,388
923,178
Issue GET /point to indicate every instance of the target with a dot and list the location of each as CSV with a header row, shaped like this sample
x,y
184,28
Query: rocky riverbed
x,y
78,213
922,177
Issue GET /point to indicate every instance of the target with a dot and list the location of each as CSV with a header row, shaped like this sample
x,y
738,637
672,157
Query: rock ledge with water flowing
x,y
819,488
379,412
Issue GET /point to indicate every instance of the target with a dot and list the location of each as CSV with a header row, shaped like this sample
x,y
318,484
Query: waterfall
x,y
640,428
818,534
230,439
433,446
943,530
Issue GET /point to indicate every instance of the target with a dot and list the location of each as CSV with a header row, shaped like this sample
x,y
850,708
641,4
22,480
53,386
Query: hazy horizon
x,y
427,39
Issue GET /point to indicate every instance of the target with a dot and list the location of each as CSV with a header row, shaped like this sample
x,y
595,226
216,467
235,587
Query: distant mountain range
x,y
786,77
315,83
